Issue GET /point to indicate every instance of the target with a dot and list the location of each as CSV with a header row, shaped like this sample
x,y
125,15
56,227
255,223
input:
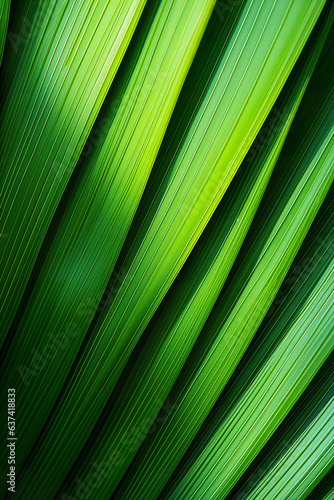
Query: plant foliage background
x,y
166,299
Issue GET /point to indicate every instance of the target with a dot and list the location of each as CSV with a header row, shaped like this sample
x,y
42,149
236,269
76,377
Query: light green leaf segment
x,y
101,205
309,458
198,175
202,166
295,195
176,325
270,384
302,416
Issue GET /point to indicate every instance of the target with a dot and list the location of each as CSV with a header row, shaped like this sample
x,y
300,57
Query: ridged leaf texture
x,y
166,249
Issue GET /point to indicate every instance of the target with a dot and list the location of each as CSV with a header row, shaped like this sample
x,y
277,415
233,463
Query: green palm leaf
x,y
303,414
243,72
325,489
293,350
115,174
310,457
178,322
244,302
166,251
55,95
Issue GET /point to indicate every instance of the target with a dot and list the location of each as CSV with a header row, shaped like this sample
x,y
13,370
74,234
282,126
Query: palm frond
x,y
166,249
62,78
245,300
